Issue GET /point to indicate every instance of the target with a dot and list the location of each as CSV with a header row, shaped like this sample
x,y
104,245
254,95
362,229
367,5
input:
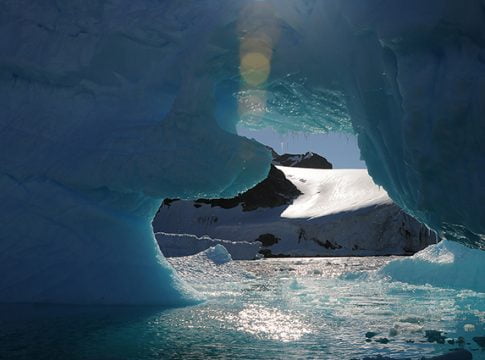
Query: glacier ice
x,y
177,245
446,264
110,106
218,254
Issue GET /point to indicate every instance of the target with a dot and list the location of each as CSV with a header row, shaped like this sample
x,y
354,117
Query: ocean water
x,y
312,308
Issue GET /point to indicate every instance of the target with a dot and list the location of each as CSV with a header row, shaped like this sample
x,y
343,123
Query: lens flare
x,y
255,68
259,31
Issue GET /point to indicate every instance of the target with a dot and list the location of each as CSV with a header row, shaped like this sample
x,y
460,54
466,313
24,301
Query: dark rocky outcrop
x,y
434,336
370,334
168,202
268,254
267,239
273,191
274,154
308,160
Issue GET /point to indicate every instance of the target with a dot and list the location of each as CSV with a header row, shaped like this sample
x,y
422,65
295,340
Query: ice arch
x,y
110,106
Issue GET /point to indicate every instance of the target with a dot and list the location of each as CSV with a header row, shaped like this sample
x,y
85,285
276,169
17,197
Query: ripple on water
x,y
277,308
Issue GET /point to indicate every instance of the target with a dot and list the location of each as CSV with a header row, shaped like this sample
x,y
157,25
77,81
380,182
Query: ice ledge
x,y
447,264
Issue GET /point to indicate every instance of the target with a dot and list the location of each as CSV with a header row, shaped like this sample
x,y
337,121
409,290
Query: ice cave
x,y
109,107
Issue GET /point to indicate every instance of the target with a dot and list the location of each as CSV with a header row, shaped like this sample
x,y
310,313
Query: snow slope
x,y
332,192
341,212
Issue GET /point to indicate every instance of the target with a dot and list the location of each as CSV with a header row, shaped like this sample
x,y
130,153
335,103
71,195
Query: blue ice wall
x,y
110,106
418,104
105,111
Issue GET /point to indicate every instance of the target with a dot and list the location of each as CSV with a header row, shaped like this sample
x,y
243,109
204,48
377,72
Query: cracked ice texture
x,y
110,106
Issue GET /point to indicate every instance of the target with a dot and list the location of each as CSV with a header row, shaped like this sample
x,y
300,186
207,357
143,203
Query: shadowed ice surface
x,y
110,106
278,308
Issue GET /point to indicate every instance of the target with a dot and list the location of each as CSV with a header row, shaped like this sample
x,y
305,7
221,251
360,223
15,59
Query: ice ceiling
x,y
110,106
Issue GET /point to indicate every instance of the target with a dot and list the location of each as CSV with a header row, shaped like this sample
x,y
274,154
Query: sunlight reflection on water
x,y
270,309
270,323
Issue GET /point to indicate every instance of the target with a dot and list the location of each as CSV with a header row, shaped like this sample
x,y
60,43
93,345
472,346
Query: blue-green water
x,y
271,309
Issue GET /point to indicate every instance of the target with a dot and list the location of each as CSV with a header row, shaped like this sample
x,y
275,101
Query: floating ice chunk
x,y
446,264
218,254
296,285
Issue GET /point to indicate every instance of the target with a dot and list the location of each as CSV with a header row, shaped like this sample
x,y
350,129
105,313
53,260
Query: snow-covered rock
x,y
274,190
308,160
339,212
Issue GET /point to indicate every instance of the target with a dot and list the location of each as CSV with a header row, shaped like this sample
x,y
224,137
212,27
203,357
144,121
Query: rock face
x,y
308,160
273,191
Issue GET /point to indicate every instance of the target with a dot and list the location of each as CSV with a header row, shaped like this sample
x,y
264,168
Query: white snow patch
x,y
327,192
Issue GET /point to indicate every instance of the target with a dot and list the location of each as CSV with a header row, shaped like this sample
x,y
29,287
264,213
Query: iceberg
x,y
218,254
447,264
108,107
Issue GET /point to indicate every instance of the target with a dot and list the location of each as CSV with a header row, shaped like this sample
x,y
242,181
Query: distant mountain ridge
x,y
339,213
309,160
273,191
295,211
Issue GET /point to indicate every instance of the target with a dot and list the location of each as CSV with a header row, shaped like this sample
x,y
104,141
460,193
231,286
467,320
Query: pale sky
x,y
340,149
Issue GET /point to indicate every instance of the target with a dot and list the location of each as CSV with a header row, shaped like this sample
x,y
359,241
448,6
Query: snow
x,y
327,192
340,213
110,106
